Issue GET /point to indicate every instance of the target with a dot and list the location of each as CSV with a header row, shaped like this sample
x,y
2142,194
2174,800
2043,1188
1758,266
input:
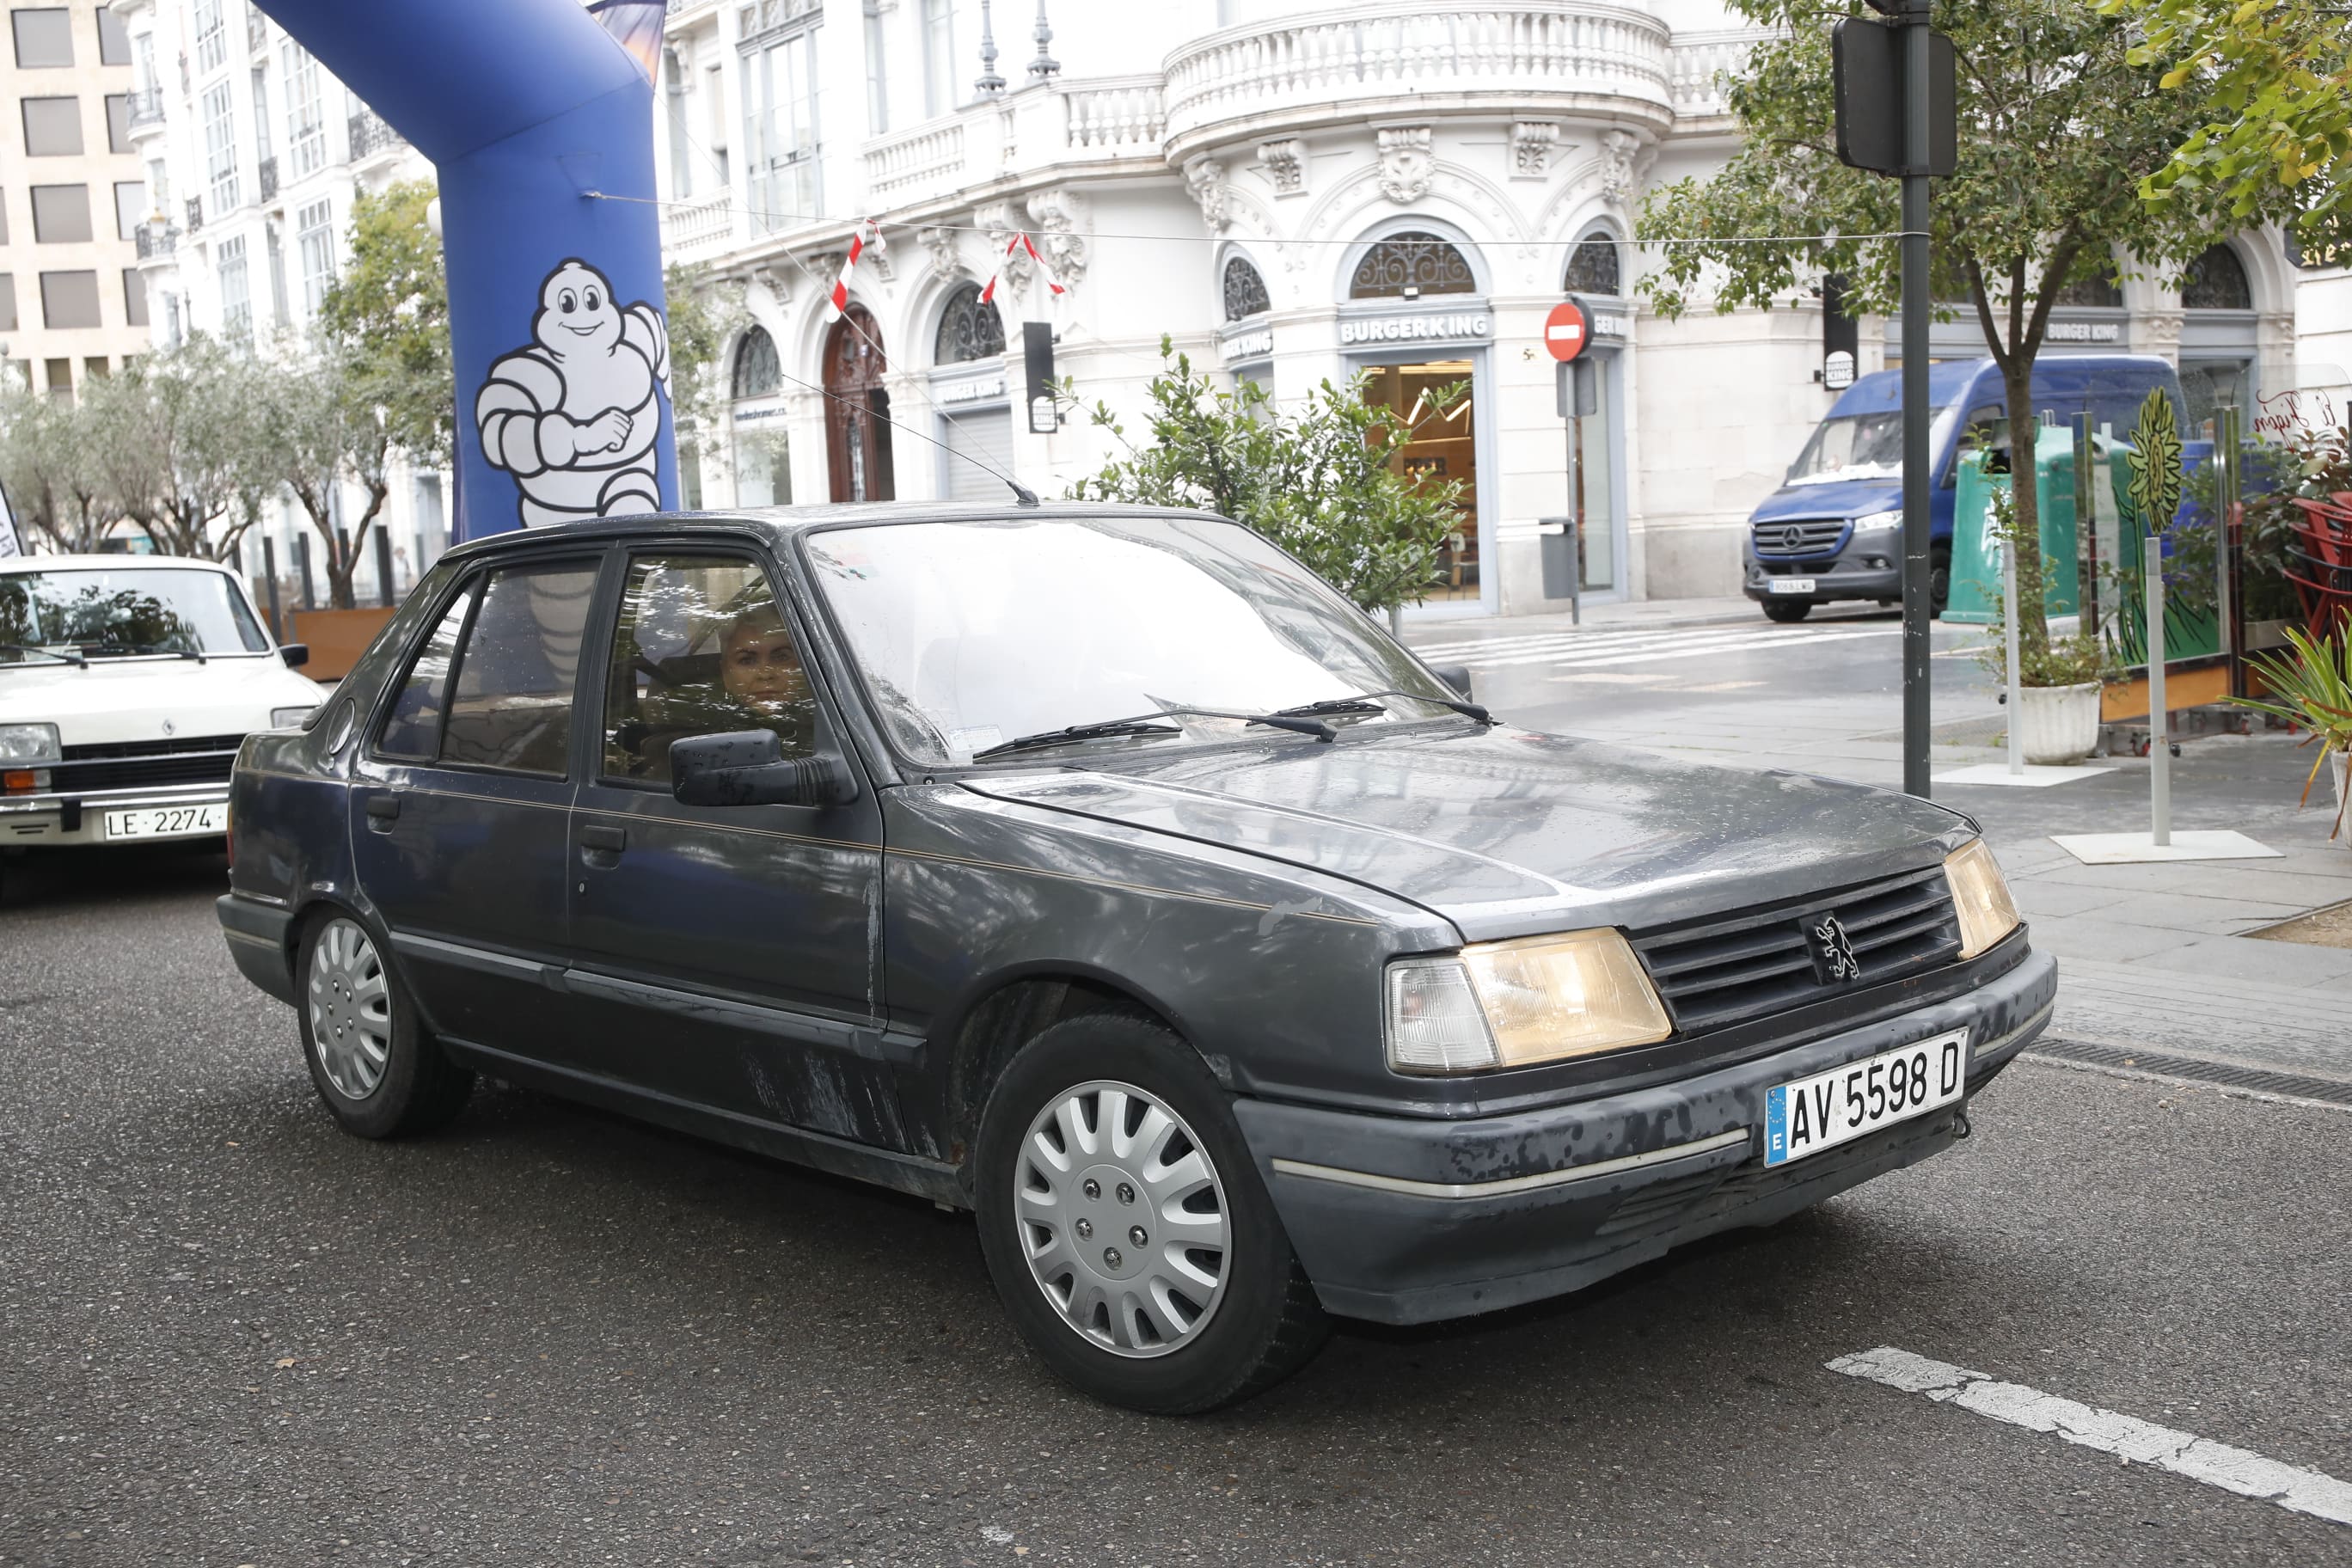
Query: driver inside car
x,y
761,685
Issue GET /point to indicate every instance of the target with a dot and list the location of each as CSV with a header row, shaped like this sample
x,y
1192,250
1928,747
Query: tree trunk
x,y
2031,609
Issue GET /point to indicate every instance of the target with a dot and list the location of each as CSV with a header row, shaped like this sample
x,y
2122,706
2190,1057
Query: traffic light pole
x,y
1916,718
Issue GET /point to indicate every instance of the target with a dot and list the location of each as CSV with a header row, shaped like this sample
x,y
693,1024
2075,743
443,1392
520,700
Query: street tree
x,y
1319,478
332,437
46,467
174,440
2271,80
2059,121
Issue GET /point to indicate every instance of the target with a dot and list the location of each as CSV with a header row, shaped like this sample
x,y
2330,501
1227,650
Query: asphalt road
x,y
230,1334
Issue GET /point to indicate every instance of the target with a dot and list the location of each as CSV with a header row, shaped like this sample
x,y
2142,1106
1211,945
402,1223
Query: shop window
x,y
2092,285
1407,266
970,329
2216,281
1244,291
1592,267
757,372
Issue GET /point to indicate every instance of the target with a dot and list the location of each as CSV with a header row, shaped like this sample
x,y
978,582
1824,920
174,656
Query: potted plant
x,y
2059,678
2311,686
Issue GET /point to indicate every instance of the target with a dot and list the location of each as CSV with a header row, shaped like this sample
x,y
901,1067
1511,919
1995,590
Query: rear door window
x,y
510,702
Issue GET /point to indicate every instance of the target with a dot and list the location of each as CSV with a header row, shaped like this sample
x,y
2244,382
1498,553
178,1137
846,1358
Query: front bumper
x,y
1835,578
1406,1220
45,821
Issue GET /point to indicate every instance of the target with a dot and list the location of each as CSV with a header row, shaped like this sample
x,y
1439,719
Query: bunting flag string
x,y
1021,242
868,233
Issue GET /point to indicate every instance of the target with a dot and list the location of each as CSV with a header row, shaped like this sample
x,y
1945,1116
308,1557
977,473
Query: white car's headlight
x,y
29,743
288,717
1515,1004
1874,521
1981,894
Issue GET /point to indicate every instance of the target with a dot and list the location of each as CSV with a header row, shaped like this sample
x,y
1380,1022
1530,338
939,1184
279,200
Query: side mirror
x,y
295,654
1456,676
747,767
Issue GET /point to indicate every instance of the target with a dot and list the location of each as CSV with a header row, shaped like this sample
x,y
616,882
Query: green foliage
x,y
177,440
387,317
702,317
2310,687
1317,479
2059,121
2271,85
45,465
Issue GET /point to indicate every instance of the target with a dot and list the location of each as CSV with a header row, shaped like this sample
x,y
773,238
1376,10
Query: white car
x,y
127,684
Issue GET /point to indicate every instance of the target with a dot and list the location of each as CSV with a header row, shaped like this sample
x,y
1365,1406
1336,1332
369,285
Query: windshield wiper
x,y
1363,702
1146,724
73,658
127,651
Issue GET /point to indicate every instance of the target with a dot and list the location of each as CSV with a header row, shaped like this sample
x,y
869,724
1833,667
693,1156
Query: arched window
x,y
2216,281
1592,267
757,371
2092,284
970,329
1420,262
1245,290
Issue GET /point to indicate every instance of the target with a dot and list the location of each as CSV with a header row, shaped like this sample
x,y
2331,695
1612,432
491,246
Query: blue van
x,y
1834,528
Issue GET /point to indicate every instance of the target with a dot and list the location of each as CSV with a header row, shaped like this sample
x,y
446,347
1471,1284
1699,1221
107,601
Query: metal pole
x,y
1916,715
2228,541
269,577
383,567
2008,640
2159,716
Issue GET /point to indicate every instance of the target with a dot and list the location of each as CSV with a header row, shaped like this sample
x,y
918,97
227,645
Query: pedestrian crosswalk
x,y
1601,650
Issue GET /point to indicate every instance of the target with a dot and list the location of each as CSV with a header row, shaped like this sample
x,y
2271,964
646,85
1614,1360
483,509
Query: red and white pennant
x,y
868,233
1021,242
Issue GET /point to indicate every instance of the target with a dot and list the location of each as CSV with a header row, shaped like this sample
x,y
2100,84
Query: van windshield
x,y
1861,446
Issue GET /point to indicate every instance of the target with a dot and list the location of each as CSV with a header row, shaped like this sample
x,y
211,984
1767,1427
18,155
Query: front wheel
x,y
1126,1228
1787,612
381,1075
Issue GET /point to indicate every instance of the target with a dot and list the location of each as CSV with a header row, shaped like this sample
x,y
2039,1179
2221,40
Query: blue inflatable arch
x,y
557,322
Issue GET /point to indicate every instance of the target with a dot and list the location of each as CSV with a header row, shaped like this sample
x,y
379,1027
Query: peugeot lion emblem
x,y
1792,539
1833,951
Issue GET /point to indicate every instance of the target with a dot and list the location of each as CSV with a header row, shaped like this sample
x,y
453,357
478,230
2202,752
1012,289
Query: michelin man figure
x,y
573,415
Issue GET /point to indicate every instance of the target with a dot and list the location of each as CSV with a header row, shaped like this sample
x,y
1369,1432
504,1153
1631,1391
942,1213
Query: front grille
x,y
142,764
1793,537
1725,971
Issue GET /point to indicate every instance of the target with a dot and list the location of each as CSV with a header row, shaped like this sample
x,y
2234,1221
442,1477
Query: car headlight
x,y
29,743
1873,523
1981,894
1515,1004
288,718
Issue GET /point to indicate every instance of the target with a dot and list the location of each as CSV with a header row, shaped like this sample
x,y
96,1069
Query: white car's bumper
x,y
137,815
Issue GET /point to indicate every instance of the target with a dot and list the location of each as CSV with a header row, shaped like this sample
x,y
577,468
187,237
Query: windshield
x,y
1860,446
972,634
122,612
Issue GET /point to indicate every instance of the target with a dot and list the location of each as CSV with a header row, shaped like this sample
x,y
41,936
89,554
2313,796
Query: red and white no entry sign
x,y
1566,331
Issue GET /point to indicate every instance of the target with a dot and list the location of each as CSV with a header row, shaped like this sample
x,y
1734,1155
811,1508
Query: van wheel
x,y
370,1060
1787,612
1940,578
1126,1228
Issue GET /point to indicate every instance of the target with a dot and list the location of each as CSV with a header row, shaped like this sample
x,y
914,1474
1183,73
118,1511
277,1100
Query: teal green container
x,y
1976,574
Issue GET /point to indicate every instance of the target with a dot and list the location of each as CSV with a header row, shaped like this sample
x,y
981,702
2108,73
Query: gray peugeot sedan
x,y
1102,871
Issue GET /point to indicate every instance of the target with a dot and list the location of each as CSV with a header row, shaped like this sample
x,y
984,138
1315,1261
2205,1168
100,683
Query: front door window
x,y
702,649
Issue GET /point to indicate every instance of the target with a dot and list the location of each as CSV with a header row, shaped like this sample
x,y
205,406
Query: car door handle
x,y
382,811
613,838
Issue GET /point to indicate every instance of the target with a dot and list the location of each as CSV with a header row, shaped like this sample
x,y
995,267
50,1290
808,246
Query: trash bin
x,y
1562,579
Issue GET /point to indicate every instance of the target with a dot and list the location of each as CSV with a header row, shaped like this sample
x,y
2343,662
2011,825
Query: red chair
x,y
2319,563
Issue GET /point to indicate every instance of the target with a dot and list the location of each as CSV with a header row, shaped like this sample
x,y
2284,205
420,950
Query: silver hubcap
x,y
1122,1218
351,1009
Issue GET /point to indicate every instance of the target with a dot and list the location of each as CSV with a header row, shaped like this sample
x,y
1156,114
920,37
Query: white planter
x,y
2057,724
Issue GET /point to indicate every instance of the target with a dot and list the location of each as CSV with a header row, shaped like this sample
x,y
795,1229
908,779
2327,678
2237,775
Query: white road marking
x,y
1503,653
2130,1440
1581,658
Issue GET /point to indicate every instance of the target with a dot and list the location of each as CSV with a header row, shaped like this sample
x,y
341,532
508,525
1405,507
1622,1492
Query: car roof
x,y
108,563
792,520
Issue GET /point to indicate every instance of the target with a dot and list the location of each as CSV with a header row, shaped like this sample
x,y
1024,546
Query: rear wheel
x,y
1787,612
1126,1227
370,1060
1940,578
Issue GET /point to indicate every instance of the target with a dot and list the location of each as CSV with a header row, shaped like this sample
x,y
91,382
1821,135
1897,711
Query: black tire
x,y
1266,1324
420,1090
1940,578
1787,612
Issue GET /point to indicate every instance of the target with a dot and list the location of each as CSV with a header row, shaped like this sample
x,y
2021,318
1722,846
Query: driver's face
x,y
763,669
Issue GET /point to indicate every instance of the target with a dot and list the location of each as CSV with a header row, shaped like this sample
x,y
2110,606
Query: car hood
x,y
1839,497
1509,833
132,700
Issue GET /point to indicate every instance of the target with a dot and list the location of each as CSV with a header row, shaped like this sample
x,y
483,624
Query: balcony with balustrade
x,y
145,108
1418,57
1698,64
698,227
371,136
1061,128
265,176
156,241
